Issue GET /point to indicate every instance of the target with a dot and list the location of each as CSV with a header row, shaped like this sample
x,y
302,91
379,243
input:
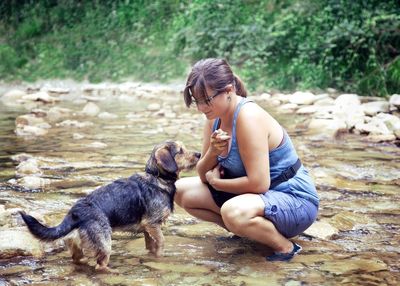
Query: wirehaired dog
x,y
140,203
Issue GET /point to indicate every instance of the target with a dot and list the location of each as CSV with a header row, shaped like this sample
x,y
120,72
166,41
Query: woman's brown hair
x,y
216,74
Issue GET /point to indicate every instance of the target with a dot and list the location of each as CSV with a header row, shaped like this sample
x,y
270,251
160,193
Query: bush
x,y
284,44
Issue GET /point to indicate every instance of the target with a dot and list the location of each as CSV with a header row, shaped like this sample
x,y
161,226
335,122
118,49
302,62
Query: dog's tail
x,y
45,233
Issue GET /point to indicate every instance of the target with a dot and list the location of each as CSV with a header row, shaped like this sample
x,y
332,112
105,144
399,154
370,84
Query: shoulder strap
x,y
238,107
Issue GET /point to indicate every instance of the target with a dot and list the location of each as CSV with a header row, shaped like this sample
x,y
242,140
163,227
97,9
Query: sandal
x,y
278,256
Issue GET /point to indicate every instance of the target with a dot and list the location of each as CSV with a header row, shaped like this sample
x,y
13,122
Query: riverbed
x,y
358,183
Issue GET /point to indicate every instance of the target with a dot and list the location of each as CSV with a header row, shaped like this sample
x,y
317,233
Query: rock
x,y
56,113
28,167
74,123
380,138
263,97
395,100
56,90
348,108
27,130
40,96
78,136
21,157
31,182
91,109
106,115
288,108
373,128
153,107
11,97
283,98
307,110
28,119
16,242
392,122
375,107
302,98
324,102
329,127
346,100
321,230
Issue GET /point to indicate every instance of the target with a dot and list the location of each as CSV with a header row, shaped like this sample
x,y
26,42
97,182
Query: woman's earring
x,y
229,98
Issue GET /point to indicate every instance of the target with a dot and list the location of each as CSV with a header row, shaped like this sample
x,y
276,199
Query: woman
x,y
250,181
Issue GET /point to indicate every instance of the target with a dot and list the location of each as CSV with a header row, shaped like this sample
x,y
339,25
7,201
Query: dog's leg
x,y
158,239
149,242
73,243
96,239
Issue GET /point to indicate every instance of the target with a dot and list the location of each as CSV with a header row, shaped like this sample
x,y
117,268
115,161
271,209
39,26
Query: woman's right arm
x,y
212,147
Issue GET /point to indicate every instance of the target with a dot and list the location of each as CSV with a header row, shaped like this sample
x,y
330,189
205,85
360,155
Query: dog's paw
x,y
106,269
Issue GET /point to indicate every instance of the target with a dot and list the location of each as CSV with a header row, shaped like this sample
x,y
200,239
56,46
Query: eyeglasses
x,y
207,100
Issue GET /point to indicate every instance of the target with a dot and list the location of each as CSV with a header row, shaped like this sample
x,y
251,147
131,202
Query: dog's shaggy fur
x,y
140,203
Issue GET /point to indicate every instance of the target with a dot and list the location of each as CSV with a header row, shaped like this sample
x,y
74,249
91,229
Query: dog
x,y
140,203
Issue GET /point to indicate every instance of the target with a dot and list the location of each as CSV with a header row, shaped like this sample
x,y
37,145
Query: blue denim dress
x,y
292,205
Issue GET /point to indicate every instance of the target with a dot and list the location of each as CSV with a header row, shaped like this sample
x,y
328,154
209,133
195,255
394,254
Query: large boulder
x,y
18,242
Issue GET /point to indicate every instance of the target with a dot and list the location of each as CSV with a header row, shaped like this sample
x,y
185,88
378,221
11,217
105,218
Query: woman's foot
x,y
277,256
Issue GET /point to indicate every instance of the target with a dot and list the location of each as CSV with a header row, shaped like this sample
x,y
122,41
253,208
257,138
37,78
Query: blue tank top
x,y
280,159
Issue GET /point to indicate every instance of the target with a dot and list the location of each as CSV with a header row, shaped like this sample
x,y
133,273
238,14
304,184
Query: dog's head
x,y
169,158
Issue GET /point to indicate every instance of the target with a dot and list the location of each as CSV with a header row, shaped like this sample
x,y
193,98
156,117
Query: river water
x,y
358,183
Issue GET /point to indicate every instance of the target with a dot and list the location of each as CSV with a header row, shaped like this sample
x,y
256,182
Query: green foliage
x,y
285,44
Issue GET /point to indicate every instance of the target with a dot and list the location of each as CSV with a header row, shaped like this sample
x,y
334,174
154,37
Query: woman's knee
x,y
237,215
188,192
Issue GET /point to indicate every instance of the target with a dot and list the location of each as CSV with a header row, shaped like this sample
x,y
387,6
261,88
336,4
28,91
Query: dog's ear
x,y
165,160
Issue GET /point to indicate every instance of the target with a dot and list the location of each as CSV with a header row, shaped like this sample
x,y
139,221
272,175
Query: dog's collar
x,y
167,176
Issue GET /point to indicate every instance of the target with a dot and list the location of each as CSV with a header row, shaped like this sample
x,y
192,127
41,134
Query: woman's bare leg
x,y
244,216
195,198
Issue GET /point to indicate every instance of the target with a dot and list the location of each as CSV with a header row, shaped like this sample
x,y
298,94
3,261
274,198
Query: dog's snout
x,y
197,155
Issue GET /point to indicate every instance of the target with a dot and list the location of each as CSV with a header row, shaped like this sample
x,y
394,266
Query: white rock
x,y
78,136
374,126
288,107
74,123
91,109
375,107
302,98
11,96
395,100
28,167
392,122
58,113
16,242
32,182
283,98
329,127
27,130
325,102
307,110
153,107
380,138
21,157
57,90
106,115
263,97
28,119
40,96
347,100
321,230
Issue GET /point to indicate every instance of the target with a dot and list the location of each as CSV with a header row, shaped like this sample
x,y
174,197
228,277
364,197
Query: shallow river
x,y
358,183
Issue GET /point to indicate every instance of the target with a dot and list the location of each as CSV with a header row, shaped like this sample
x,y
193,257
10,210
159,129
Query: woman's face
x,y
213,105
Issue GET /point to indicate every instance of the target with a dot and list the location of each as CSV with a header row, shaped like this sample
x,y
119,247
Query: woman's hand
x,y
213,174
219,141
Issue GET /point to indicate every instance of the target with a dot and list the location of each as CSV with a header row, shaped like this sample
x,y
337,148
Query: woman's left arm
x,y
252,132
